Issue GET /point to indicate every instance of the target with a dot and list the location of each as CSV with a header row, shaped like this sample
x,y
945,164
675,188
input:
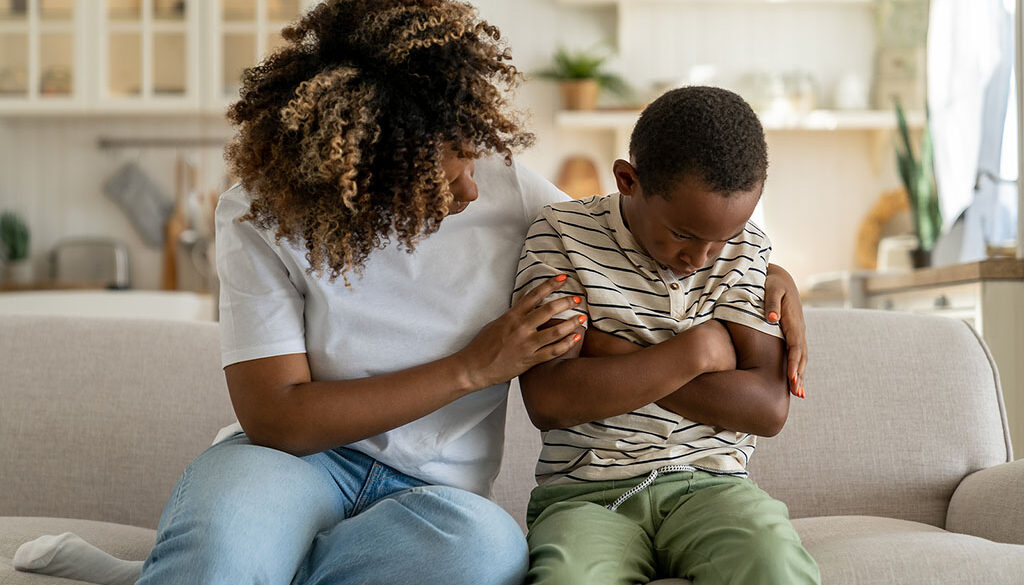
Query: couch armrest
x,y
989,503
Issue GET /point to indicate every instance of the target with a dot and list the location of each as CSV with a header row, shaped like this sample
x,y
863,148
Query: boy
x,y
646,438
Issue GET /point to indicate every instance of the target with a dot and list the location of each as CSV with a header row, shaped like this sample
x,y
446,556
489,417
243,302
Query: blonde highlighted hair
x,y
341,132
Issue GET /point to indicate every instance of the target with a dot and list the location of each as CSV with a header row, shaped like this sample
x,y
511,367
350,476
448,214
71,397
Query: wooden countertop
x,y
994,269
51,285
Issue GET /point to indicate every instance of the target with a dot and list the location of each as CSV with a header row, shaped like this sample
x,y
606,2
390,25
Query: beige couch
x,y
894,468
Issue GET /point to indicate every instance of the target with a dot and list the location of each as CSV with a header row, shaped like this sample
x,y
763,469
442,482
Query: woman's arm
x,y
280,406
783,299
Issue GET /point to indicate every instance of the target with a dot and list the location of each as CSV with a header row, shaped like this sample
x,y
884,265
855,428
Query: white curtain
x,y
970,60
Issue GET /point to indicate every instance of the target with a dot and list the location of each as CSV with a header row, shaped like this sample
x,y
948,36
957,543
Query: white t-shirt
x,y
405,310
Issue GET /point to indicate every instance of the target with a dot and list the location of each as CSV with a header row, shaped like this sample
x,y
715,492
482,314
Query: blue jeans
x,y
243,514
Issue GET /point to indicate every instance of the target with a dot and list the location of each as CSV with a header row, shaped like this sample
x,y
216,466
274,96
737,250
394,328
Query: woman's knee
x,y
241,511
475,533
239,487
243,473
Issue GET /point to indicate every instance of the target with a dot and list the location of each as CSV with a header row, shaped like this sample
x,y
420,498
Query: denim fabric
x,y
244,514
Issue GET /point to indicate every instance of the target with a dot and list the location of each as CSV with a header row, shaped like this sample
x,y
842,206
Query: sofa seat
x,y
122,541
858,550
869,550
852,550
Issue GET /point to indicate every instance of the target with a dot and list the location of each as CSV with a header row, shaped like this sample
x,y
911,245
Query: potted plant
x,y
918,175
582,76
14,238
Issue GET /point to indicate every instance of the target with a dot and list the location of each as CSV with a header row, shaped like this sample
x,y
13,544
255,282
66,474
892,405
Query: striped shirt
x,y
627,294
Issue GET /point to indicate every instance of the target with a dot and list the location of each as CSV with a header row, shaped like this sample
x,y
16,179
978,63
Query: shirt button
x,y
674,286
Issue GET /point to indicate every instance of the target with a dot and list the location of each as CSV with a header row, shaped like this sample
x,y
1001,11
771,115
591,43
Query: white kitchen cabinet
x,y
147,55
41,56
242,32
69,57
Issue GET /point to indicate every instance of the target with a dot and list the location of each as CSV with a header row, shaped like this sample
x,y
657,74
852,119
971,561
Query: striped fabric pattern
x,y
627,294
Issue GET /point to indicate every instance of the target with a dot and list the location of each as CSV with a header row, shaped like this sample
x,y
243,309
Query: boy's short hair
x,y
707,131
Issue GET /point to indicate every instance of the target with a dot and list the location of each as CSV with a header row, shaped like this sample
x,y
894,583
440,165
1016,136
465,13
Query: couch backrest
x,y
100,416
899,409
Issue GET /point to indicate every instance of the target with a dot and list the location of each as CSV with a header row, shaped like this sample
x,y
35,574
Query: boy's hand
x,y
782,301
715,346
512,343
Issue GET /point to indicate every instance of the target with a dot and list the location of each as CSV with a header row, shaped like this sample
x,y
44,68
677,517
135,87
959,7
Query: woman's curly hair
x,y
342,132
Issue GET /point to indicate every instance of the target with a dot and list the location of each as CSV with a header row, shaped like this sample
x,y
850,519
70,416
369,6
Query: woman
x,y
367,363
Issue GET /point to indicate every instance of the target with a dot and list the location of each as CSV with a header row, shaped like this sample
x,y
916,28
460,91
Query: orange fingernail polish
x,y
576,337
577,300
773,316
561,278
582,319
801,391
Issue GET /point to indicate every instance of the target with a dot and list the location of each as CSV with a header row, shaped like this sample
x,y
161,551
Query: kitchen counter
x,y
134,304
993,269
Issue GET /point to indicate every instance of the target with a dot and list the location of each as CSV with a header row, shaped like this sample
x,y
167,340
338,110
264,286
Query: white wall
x,y
52,172
820,184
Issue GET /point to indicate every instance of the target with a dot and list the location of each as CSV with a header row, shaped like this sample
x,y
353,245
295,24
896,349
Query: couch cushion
x,y
124,542
862,550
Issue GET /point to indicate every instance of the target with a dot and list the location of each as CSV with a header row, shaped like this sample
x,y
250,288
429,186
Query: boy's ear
x,y
626,179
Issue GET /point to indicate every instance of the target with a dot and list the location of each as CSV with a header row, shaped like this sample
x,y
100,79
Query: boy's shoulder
x,y
752,236
596,207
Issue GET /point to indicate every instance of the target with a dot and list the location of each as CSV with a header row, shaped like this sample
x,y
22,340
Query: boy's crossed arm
x,y
753,398
750,398
694,374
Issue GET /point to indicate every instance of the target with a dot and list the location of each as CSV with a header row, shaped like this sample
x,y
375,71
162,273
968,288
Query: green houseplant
x,y
14,240
918,176
14,236
582,76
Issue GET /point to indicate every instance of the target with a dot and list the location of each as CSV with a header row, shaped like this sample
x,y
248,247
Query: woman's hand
x,y
782,301
512,343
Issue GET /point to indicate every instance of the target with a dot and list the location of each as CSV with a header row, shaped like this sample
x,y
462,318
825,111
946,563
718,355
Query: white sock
x,y
66,555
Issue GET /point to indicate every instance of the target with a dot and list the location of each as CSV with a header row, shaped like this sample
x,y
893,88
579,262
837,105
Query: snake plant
x,y
918,175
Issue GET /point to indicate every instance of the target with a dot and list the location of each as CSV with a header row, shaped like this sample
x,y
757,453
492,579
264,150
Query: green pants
x,y
694,525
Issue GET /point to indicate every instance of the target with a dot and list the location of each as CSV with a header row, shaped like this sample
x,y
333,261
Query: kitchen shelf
x,y
817,120
719,2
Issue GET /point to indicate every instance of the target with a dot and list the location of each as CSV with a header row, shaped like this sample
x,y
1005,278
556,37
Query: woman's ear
x,y
626,178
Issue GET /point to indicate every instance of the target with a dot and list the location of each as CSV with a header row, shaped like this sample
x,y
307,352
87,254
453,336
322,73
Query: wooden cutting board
x,y
185,179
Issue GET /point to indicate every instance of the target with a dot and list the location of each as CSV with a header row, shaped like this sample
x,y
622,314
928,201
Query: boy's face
x,y
688,230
